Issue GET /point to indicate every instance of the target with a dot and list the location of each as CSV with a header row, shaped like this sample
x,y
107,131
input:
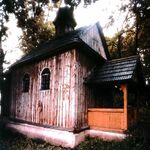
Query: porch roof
x,y
114,70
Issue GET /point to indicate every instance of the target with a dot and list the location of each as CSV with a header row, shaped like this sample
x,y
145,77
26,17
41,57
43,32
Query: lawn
x,y
138,140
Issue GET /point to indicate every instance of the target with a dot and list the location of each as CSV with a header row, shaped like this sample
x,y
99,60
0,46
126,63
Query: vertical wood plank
x,y
64,104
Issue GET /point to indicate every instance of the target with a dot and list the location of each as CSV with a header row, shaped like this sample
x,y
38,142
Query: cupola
x,y
64,21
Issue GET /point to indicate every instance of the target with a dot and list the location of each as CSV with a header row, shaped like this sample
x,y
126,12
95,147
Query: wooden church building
x,y
68,88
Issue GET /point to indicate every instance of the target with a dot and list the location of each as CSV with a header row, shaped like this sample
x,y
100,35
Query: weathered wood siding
x,y
55,106
84,65
65,103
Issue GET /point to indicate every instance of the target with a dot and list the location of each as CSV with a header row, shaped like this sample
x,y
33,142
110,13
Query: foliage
x,y
30,16
141,11
36,33
112,46
134,39
130,40
122,44
145,53
3,29
32,19
1,67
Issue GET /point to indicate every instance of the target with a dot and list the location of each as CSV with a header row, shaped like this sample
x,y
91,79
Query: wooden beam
x,y
125,99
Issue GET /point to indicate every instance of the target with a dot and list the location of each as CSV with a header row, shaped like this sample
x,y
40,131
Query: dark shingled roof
x,y
114,70
64,42
51,47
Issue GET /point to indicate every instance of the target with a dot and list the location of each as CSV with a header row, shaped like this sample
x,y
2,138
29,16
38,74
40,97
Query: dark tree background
x,y
31,19
135,39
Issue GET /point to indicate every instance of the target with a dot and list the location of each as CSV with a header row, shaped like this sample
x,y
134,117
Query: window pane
x,y
45,79
26,83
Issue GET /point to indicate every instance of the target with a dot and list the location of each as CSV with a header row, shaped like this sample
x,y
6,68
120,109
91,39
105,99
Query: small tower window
x,y
26,83
45,79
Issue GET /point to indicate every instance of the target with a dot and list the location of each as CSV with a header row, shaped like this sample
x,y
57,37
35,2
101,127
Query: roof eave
x,y
52,52
103,41
125,81
75,43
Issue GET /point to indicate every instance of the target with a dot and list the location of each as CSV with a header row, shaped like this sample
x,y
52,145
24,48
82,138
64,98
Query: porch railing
x,y
107,119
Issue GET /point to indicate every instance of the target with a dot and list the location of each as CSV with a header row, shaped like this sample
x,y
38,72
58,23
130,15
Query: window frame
x,y
26,83
45,79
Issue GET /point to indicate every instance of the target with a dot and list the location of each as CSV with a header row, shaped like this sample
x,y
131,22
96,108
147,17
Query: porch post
x,y
125,99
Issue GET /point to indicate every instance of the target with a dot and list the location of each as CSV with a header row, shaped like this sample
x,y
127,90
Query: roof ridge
x,y
124,58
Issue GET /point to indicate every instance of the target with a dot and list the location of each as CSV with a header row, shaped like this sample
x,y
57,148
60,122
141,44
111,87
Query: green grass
x,y
11,141
137,140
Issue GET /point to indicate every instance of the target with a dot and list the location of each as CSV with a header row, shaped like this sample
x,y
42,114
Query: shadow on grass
x,y
138,139
14,141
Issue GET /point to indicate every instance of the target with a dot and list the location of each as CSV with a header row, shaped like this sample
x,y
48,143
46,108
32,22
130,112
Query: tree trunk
x,y
136,37
119,45
1,72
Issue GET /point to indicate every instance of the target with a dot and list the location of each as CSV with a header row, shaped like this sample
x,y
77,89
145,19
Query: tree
x,y
140,9
112,46
134,39
122,44
3,18
32,20
36,32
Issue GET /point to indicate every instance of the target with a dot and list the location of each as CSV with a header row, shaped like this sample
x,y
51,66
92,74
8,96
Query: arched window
x,y
45,79
26,83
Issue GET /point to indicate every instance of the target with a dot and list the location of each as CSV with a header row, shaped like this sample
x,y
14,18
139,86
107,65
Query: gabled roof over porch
x,y
117,83
117,70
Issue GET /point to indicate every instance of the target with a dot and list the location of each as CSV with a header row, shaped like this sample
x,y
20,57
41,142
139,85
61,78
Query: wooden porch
x,y
113,119
106,119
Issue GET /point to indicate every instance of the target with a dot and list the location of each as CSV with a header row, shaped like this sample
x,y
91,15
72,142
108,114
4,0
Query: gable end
x,y
94,38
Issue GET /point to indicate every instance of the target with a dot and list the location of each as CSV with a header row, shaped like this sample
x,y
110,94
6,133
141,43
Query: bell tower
x,y
64,21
